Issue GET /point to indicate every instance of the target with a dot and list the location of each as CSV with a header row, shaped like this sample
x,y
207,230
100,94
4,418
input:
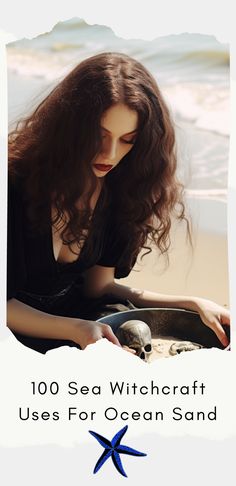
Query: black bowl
x,y
165,322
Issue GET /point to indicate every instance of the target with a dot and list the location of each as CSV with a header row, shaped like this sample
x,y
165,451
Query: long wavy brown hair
x,y
52,150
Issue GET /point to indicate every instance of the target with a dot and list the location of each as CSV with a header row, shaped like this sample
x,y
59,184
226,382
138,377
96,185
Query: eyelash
x,y
130,142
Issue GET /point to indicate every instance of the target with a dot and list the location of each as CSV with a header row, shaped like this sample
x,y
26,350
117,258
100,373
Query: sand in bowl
x,y
165,347
137,334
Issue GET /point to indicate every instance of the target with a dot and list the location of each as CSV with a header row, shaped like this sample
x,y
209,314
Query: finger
x,y
220,333
109,334
225,318
130,350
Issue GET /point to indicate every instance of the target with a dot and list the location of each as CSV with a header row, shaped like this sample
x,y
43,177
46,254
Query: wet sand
x,y
201,272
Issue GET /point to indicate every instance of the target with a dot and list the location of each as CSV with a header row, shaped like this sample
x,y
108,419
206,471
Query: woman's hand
x,y
89,332
214,315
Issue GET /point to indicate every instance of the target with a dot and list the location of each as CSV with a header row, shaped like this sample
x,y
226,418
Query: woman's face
x,y
119,126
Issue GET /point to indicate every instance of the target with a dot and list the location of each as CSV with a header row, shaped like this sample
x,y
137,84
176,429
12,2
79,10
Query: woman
x,y
92,181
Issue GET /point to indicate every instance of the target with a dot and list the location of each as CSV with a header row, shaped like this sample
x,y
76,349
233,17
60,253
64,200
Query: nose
x,y
109,149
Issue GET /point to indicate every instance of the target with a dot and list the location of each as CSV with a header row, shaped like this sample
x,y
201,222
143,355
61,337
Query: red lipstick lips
x,y
103,167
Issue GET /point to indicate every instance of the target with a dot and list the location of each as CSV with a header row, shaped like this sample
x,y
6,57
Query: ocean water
x,y
192,71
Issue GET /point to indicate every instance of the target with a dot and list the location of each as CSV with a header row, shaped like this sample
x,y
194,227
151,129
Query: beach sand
x,y
202,272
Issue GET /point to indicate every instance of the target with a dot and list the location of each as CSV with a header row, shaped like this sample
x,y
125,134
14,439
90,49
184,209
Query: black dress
x,y
37,279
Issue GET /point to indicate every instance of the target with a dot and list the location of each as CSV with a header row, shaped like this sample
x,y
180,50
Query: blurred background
x,y
192,71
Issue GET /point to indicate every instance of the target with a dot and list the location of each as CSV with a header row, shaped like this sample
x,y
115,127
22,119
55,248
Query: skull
x,y
136,335
181,346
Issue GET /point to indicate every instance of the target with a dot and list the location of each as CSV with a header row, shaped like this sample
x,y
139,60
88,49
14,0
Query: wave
x,y
192,69
61,46
217,56
213,194
204,105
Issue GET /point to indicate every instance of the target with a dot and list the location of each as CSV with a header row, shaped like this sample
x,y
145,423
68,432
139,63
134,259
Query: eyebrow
x,y
125,134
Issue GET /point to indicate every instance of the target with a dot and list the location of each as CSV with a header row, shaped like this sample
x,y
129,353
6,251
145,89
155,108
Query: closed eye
x,y
130,142
106,133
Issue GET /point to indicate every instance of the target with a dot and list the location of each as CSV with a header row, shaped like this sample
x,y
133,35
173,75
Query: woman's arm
x,y
24,319
100,280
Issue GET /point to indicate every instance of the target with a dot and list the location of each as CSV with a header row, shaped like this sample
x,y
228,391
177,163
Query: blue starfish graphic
x,y
113,449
